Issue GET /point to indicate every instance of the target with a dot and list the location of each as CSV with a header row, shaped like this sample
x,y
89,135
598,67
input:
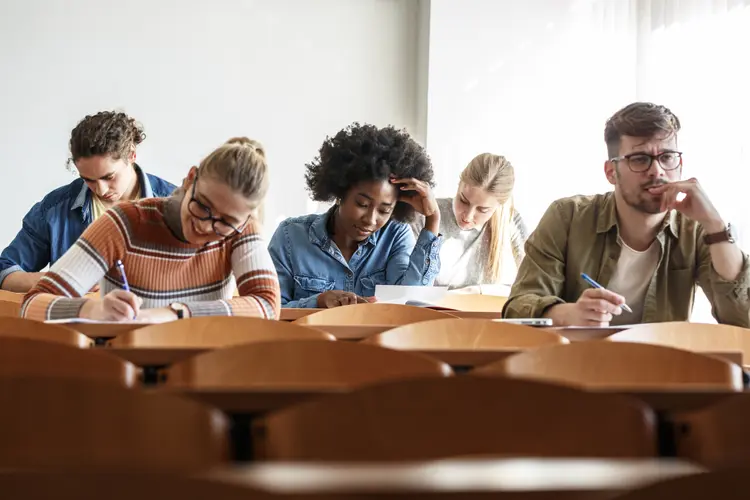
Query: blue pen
x,y
121,268
593,283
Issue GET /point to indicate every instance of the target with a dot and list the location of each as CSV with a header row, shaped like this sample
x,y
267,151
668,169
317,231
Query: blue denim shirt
x,y
55,223
308,262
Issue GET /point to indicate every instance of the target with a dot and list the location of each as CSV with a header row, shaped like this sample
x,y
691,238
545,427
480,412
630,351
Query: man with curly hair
x,y
649,242
102,148
378,178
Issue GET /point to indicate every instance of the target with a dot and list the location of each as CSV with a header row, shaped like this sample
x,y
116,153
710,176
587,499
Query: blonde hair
x,y
495,175
241,164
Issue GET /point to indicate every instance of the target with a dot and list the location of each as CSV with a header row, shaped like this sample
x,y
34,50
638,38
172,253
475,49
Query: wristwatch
x,y
180,310
726,235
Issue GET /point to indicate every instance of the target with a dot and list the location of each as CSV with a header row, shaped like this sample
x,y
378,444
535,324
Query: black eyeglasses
x,y
202,212
640,162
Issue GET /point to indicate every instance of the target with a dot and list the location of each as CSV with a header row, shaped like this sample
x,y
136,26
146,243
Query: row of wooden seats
x,y
434,334
319,359
54,422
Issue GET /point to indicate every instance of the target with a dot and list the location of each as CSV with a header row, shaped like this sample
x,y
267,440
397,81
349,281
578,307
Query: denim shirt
x,y
55,223
309,263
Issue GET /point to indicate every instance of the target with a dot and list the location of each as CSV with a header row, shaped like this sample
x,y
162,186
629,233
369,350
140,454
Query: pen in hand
x,y
121,268
125,285
593,283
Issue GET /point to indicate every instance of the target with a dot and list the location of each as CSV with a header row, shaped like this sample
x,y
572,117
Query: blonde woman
x,y
483,234
162,259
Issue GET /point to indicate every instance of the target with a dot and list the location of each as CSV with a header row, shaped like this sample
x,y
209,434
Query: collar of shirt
x,y
84,193
319,233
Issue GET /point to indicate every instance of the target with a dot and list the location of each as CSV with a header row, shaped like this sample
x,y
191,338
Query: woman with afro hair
x,y
378,178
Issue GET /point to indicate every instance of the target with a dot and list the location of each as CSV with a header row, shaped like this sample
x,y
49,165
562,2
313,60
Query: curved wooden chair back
x,y
715,436
49,423
423,419
372,314
696,337
473,302
36,330
215,331
299,363
120,485
39,358
456,333
720,484
10,309
618,364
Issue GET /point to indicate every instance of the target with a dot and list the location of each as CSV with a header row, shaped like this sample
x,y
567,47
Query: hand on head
x,y
418,194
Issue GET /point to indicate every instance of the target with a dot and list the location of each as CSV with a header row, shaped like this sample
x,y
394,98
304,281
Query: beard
x,y
639,198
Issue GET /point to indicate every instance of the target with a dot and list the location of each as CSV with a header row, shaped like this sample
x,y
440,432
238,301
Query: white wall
x,y
194,72
533,81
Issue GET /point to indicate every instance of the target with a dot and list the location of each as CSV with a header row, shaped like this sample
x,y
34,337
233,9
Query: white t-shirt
x,y
631,278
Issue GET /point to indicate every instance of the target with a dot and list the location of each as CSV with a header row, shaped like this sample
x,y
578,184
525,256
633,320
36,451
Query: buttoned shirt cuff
x,y
7,272
431,244
738,289
529,306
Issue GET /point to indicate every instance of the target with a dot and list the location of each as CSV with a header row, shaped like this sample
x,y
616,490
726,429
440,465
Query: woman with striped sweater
x,y
179,253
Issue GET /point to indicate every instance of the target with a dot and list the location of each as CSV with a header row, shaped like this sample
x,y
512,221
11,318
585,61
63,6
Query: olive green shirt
x,y
580,235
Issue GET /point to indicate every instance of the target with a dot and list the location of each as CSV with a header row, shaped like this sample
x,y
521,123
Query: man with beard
x,y
648,243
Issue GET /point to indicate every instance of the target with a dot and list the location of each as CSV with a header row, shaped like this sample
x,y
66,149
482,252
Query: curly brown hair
x,y
107,133
639,119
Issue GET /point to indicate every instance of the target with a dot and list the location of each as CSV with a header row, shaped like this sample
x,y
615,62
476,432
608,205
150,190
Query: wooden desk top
x,y
265,399
553,478
255,400
104,330
291,314
163,356
155,356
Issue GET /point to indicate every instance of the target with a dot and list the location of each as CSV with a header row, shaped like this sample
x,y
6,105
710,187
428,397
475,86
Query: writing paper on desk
x,y
397,294
71,321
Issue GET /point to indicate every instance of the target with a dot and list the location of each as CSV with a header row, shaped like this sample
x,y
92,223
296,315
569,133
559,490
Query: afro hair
x,y
362,153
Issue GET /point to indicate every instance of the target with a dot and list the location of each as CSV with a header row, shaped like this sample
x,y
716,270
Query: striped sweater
x,y
160,268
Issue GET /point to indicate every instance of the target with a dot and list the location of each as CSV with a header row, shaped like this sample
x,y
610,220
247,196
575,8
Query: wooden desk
x,y
465,358
292,314
104,330
352,332
253,401
502,478
155,356
264,399
164,356
582,333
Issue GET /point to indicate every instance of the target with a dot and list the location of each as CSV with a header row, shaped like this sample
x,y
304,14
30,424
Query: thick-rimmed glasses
x,y
203,213
640,162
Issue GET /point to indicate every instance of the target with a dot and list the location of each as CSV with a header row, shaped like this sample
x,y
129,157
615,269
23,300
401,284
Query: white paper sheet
x,y
71,321
396,294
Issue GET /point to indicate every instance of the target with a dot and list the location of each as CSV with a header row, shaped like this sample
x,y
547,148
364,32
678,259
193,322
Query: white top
x,y
463,256
631,279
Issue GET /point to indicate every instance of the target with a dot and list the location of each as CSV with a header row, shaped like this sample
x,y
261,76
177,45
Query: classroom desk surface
x,y
291,314
463,358
502,478
163,356
265,399
341,332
